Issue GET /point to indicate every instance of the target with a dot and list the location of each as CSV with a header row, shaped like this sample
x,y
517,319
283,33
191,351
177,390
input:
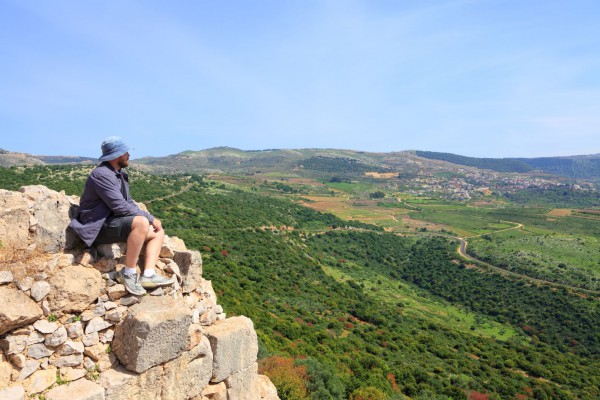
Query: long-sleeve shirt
x,y
106,194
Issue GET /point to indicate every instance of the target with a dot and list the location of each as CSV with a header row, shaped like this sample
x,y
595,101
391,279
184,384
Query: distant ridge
x,y
12,159
576,167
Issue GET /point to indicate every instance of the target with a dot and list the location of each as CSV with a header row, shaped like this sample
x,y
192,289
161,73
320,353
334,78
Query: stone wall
x,y
69,330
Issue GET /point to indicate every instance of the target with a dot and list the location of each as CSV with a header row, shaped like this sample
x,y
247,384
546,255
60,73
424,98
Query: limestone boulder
x,y
186,376
74,288
17,309
51,212
121,384
154,331
14,220
242,385
190,268
81,389
265,388
170,246
234,345
12,393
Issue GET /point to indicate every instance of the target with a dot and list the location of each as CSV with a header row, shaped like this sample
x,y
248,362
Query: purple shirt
x,y
102,198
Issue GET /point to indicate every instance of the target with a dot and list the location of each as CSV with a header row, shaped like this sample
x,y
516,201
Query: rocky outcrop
x,y
69,330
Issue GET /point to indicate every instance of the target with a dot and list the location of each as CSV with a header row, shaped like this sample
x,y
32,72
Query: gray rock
x,y
75,330
91,339
25,283
13,344
97,324
5,277
30,367
35,337
39,290
72,360
234,345
70,347
129,300
57,337
45,326
38,351
18,360
154,331
190,267
17,309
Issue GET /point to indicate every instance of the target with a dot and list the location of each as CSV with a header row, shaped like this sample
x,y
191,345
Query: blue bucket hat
x,y
113,147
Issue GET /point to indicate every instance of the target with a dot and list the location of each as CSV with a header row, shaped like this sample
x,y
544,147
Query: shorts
x,y
115,230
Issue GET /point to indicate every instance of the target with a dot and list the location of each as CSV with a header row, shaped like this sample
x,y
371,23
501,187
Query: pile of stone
x,y
71,331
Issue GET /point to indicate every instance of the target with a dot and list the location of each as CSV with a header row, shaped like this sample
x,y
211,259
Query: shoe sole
x,y
152,285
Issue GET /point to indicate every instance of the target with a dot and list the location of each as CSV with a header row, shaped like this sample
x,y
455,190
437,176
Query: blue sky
x,y
496,78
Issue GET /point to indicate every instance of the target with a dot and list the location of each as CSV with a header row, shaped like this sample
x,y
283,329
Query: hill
x,y
577,167
11,159
344,309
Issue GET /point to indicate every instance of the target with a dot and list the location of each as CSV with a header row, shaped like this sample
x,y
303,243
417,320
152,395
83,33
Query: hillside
x,y
344,309
11,159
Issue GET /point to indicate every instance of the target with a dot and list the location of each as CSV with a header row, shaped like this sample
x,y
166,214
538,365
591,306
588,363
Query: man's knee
x,y
140,222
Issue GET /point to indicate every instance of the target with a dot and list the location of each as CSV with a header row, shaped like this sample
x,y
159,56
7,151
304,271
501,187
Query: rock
x,y
242,385
107,361
117,291
40,381
185,376
96,351
194,336
68,374
105,265
234,345
216,391
75,330
170,245
107,336
45,326
121,384
6,277
157,292
73,360
46,308
265,388
78,390
208,318
154,331
89,364
29,368
6,371
52,212
12,393
91,339
70,347
191,299
17,309
18,360
209,297
35,337
39,290
97,324
86,316
112,251
190,267
57,337
25,283
13,344
109,305
14,219
74,288
129,300
38,351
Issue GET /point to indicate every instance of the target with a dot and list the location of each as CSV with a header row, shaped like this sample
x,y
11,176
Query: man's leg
x,y
140,228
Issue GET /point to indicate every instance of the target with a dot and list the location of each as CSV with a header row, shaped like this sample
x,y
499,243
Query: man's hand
x,y
157,225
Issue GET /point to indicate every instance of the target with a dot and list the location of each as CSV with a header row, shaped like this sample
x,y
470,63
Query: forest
x,y
346,310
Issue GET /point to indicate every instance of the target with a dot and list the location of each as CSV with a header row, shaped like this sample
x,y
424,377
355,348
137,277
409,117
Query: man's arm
x,y
110,192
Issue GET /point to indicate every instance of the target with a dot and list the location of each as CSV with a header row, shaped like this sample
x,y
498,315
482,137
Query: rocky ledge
x,y
69,330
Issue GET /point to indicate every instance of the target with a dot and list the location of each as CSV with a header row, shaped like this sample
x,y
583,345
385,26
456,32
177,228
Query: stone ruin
x,y
68,330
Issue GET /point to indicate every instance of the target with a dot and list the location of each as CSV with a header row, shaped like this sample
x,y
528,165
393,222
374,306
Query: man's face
x,y
123,161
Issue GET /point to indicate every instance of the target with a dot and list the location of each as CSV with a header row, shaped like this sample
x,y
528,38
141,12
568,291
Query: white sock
x,y
129,271
148,272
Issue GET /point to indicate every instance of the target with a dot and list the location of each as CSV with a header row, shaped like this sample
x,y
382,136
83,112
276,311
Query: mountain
x,y
11,159
576,167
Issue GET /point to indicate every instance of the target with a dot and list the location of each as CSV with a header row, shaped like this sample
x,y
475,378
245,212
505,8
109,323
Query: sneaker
x,y
154,281
131,283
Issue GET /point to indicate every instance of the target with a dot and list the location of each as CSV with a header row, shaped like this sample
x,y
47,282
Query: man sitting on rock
x,y
107,214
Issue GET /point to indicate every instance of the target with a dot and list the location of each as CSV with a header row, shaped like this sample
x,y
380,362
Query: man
x,y
107,214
